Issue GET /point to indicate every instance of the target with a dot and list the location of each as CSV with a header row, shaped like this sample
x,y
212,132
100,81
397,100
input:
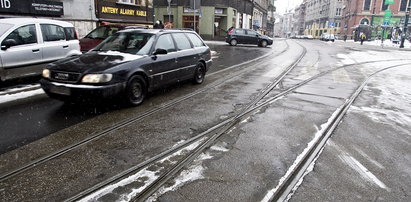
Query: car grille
x,y
69,77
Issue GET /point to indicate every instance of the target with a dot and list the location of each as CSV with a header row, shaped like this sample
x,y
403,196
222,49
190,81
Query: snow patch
x,y
150,177
126,56
392,104
194,172
219,148
22,95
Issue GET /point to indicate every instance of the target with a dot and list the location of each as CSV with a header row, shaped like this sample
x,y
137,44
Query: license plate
x,y
60,90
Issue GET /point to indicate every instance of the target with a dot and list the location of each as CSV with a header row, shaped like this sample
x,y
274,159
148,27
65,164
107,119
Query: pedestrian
x,y
158,25
362,37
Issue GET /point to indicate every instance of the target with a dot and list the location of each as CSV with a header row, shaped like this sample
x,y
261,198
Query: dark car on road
x,y
129,64
247,36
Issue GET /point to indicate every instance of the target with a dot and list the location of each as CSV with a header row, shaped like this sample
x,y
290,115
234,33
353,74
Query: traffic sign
x,y
389,2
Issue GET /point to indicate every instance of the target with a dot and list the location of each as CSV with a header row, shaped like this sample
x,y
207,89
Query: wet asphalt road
x,y
249,161
27,120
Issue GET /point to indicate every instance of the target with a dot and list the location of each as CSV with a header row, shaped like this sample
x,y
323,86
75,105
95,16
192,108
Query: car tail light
x,y
75,34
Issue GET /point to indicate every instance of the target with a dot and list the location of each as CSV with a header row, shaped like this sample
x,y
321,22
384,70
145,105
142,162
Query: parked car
x,y
28,44
247,36
97,35
129,64
327,37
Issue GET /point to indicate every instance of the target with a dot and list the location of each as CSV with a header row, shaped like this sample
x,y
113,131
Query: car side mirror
x,y
160,52
8,43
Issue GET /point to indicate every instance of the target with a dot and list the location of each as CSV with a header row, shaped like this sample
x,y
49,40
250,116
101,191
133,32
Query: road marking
x,y
369,158
362,170
358,167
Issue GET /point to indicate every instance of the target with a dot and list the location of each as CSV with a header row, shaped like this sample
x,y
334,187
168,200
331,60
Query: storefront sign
x,y
219,11
34,7
189,10
112,10
389,2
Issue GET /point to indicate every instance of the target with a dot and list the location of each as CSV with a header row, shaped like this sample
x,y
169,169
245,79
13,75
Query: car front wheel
x,y
264,43
199,74
233,42
136,90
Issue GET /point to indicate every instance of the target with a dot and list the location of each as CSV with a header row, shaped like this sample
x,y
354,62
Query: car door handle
x,y
35,50
66,46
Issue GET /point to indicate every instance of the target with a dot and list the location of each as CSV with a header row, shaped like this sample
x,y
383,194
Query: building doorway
x,y
188,22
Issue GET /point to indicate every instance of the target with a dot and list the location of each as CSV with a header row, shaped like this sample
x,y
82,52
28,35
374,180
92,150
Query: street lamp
x,y
404,33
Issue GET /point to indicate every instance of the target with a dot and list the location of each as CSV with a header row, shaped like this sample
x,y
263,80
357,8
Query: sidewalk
x,y
386,44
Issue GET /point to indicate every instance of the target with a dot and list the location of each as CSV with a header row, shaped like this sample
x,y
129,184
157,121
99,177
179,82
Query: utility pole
x,y
404,32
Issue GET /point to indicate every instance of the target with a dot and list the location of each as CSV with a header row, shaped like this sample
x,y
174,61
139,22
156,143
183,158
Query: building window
x,y
367,5
127,1
338,13
403,5
137,2
365,21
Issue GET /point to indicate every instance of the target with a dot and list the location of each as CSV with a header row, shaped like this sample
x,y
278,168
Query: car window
x,y
23,35
239,31
111,31
251,32
165,42
70,33
98,33
181,41
197,42
52,32
4,27
128,42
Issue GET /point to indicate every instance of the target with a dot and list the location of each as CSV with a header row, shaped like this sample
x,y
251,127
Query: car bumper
x,y
64,91
208,64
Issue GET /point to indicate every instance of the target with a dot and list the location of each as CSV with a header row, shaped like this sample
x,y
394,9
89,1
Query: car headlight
x,y
97,78
46,73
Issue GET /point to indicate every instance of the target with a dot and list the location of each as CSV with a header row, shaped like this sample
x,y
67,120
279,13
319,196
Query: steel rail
x,y
283,190
226,125
157,183
127,122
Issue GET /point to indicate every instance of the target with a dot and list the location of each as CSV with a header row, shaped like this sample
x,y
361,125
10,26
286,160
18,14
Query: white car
x,y
28,44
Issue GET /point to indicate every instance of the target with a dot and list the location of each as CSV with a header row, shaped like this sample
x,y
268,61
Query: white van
x,y
28,44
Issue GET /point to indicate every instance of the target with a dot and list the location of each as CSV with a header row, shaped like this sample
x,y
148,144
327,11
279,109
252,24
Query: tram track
x,y
220,129
160,181
132,120
214,132
290,180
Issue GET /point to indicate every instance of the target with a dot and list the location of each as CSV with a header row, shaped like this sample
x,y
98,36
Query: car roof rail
x,y
179,29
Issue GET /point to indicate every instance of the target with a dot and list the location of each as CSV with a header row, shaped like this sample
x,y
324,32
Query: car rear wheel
x,y
136,90
233,42
199,74
264,43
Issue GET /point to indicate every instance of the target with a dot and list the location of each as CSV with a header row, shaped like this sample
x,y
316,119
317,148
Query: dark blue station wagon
x,y
129,64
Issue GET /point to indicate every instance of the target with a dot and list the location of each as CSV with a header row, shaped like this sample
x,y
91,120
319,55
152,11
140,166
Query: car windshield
x,y
128,42
4,27
102,32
